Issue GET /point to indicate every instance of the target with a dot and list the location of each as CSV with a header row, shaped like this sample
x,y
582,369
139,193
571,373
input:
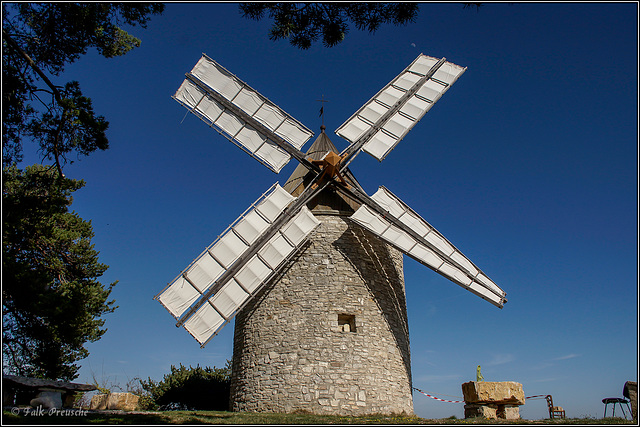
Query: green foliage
x,y
41,38
194,388
304,23
74,118
52,299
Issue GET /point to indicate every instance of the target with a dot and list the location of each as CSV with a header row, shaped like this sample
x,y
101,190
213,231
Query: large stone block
x,y
630,391
509,412
122,401
117,401
472,410
48,399
504,392
68,399
98,402
8,395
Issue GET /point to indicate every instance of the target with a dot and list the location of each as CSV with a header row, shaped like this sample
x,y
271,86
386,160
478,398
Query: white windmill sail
x,y
260,268
185,289
382,122
190,286
244,116
428,247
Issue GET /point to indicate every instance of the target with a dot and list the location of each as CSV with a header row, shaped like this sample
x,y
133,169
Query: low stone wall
x,y
493,400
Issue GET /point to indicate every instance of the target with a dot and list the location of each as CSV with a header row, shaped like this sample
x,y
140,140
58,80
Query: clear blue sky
x,y
528,165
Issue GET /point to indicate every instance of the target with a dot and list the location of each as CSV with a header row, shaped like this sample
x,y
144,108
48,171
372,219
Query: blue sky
x,y
528,165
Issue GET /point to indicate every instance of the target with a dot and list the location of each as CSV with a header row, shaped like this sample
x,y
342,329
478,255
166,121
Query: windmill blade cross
x,y
255,248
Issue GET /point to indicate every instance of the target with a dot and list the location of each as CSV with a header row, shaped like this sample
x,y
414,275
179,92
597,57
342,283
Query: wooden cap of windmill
x,y
328,201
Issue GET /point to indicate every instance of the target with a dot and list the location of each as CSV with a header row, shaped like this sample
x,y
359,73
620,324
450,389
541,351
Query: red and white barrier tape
x,y
536,396
462,401
437,398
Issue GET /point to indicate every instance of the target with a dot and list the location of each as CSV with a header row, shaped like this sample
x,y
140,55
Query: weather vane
x,y
322,110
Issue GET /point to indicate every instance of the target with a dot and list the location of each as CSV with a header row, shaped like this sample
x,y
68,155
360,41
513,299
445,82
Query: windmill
x,y
313,270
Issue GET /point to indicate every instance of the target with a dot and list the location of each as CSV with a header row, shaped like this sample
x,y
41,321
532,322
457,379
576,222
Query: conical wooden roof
x,y
329,200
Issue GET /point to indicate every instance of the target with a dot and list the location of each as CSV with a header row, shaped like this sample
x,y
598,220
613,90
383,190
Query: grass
x,y
221,417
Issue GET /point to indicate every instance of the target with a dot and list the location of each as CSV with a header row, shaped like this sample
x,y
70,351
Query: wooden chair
x,y
554,411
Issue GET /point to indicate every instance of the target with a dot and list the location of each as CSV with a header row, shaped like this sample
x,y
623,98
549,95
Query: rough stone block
x,y
122,401
472,410
630,391
48,399
7,396
68,399
98,402
509,412
505,392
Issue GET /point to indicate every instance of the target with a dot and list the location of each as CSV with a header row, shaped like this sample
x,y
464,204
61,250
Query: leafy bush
x,y
193,388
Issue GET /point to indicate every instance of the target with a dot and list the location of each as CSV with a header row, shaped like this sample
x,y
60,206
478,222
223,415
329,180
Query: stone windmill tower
x,y
312,271
329,334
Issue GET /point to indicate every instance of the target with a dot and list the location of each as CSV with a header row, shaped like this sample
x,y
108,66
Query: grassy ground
x,y
220,417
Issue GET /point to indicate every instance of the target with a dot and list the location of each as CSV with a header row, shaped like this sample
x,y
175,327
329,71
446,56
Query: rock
x,y
118,401
508,412
473,410
98,402
7,397
47,399
505,392
122,401
630,391
68,399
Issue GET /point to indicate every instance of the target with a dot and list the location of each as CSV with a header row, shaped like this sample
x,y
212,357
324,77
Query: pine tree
x,y
304,23
52,300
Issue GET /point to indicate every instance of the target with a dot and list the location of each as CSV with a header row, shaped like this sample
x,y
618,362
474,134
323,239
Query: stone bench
x,y
37,392
493,400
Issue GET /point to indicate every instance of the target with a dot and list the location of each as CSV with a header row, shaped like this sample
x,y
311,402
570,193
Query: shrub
x,y
193,388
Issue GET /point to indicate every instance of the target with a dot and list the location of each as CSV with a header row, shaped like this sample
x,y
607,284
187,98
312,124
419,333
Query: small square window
x,y
347,322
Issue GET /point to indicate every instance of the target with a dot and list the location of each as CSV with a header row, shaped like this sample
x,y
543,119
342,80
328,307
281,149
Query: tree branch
x,y
54,89
33,65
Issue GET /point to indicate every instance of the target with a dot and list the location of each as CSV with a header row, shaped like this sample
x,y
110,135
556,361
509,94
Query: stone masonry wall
x,y
294,345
